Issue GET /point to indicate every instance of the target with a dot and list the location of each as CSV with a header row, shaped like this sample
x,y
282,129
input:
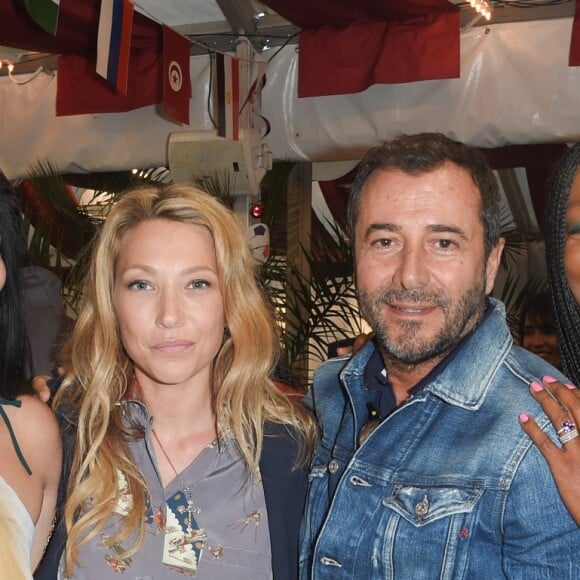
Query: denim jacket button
x,y
333,466
325,561
422,507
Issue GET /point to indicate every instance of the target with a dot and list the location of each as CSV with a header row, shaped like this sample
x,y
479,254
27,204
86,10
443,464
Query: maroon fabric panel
x,y
575,40
350,59
308,14
80,90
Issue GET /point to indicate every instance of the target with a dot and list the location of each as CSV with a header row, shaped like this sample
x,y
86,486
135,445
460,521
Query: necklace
x,y
192,511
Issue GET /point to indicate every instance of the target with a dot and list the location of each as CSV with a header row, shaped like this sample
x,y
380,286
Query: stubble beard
x,y
405,343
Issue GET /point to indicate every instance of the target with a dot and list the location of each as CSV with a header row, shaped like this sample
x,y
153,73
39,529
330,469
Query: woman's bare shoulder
x,y
36,428
36,414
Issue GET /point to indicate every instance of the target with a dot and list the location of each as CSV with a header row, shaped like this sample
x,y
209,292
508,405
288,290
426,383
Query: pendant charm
x,y
192,511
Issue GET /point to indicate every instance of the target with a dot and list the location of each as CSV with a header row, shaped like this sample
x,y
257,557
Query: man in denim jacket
x,y
423,471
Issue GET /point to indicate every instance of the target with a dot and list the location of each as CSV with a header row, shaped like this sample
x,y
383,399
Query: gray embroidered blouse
x,y
228,537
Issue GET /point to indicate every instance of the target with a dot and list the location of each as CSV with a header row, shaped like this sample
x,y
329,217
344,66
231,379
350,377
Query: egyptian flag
x,y
177,79
228,93
44,13
574,59
114,42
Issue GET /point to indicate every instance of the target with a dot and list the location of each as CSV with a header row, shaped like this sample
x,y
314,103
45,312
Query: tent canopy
x,y
514,85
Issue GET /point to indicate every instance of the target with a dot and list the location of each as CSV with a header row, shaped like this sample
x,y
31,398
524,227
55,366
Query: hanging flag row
x,y
131,70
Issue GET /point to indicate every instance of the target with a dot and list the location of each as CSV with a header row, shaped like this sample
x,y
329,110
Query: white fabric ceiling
x,y
182,12
515,87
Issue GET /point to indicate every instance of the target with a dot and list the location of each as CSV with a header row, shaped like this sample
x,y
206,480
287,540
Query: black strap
x,y
4,416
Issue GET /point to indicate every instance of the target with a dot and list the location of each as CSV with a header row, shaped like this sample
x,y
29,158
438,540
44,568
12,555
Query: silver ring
x,y
568,436
567,427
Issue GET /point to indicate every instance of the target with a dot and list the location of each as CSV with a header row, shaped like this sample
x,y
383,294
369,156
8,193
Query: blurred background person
x,y
538,330
29,437
47,323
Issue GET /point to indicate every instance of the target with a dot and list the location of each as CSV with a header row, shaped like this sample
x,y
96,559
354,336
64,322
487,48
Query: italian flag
x,y
44,13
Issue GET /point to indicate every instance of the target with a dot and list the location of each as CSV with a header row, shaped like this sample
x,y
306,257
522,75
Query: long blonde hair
x,y
100,374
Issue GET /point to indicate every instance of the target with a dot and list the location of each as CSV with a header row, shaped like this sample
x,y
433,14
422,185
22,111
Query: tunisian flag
x,y
346,59
176,77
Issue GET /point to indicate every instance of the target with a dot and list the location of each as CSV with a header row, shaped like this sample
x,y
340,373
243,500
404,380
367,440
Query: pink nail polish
x,y
570,386
524,417
535,386
549,379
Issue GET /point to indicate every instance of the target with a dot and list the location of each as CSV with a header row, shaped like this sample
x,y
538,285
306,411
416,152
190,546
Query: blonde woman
x,y
188,460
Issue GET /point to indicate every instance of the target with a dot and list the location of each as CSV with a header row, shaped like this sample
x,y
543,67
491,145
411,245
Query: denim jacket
x,y
446,487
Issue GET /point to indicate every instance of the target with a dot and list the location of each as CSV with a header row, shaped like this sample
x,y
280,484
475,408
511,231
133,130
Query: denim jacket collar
x,y
465,380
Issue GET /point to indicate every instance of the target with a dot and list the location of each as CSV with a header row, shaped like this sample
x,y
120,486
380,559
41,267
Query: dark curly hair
x,y
566,309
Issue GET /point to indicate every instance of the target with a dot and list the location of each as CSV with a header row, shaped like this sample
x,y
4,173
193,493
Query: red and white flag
x,y
114,42
339,60
228,96
176,76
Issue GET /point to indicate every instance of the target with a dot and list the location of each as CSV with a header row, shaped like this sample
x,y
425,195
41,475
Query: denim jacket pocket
x,y
423,505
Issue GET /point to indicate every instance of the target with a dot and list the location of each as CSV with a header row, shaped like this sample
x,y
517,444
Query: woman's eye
x,y
199,284
139,285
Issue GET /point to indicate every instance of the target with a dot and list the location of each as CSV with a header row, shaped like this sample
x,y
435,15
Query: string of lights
x,y
482,7
21,80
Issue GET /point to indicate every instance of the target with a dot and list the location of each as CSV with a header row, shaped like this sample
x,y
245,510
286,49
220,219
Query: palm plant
x,y
60,228
321,306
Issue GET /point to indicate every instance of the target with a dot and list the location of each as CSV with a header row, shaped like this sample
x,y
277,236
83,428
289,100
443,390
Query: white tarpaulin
x,y
515,87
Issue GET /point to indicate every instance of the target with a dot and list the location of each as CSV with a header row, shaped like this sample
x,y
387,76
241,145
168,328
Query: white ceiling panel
x,y
181,12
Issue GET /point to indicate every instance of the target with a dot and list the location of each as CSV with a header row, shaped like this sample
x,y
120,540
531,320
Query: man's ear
x,y
492,265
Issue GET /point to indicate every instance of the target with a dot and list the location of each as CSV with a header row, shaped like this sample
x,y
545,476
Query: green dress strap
x,y
4,416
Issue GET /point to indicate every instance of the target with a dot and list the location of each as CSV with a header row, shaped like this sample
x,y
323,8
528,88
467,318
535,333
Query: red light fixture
x,y
257,210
